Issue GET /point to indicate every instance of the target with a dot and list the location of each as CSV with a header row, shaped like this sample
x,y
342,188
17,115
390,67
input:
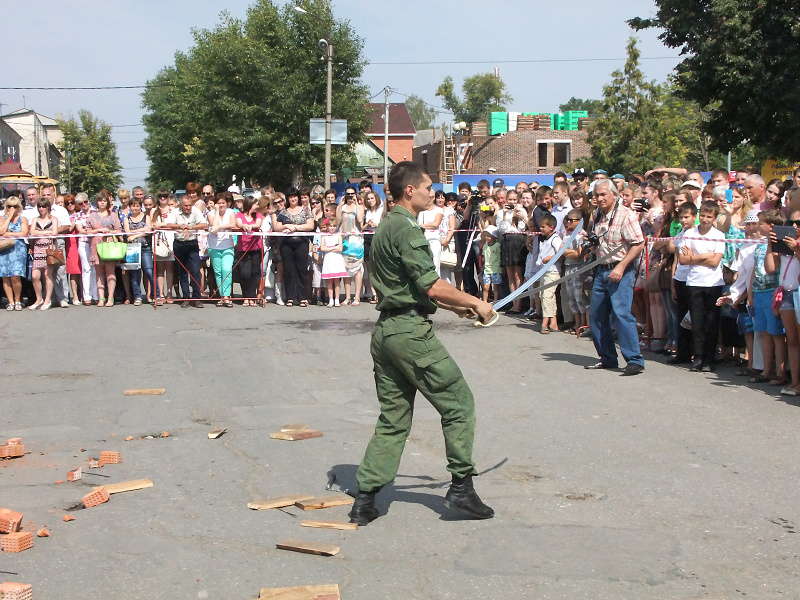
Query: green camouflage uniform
x,y
408,356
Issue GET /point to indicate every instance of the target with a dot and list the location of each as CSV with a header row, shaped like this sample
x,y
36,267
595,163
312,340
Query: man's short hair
x,y
464,186
756,178
548,219
138,187
688,207
484,183
560,174
723,172
709,206
192,187
771,217
605,182
562,186
402,174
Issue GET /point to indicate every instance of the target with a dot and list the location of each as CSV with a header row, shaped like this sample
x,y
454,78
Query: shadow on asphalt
x,y
580,360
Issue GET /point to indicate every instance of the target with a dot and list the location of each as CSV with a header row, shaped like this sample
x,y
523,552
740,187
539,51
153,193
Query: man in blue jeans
x,y
188,221
620,241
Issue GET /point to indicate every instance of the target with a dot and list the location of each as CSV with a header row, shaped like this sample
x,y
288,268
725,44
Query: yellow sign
x,y
773,169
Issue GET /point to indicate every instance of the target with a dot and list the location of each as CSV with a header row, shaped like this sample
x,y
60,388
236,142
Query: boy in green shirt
x,y
492,271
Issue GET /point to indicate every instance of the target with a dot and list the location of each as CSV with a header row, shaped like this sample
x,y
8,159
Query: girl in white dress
x,y
333,265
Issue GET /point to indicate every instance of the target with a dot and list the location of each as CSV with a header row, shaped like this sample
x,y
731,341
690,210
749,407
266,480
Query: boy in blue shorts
x,y
492,271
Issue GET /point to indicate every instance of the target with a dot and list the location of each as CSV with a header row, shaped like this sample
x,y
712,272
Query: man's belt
x,y
405,310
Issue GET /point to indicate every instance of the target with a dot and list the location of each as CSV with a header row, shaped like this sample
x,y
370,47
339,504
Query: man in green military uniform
x,y
407,355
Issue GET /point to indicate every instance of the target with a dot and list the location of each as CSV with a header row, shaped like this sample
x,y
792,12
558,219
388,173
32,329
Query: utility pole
x,y
328,47
385,138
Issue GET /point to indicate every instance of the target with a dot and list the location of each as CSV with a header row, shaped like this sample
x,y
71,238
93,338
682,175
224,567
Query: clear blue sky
x,y
93,42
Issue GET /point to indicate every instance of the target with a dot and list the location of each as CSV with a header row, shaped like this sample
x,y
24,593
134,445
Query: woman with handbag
x,y
164,258
138,229
73,266
13,251
105,249
45,257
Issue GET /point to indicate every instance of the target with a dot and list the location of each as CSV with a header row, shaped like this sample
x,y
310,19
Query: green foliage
x,y
238,102
740,66
593,107
91,155
422,115
483,93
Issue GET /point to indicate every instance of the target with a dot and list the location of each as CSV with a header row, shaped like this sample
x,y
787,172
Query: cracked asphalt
x,y
669,485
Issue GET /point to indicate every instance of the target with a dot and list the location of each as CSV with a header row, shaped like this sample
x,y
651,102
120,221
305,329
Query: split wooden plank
x,y
278,502
324,502
309,547
294,436
303,592
128,486
214,434
294,427
145,392
329,525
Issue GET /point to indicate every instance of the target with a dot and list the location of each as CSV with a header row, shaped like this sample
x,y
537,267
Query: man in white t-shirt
x,y
702,251
687,215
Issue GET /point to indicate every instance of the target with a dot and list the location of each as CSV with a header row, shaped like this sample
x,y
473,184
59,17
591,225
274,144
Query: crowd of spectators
x,y
701,270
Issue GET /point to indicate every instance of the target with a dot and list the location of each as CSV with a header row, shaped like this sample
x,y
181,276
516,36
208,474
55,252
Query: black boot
x,y
462,497
364,511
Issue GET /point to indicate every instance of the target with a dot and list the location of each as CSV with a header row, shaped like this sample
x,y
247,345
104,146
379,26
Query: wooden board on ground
x,y
212,435
295,427
278,502
303,592
294,436
145,392
128,486
324,502
329,524
309,547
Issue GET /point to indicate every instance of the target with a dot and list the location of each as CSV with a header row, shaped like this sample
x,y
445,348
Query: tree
x,y
740,65
483,93
593,107
90,154
639,126
239,100
422,115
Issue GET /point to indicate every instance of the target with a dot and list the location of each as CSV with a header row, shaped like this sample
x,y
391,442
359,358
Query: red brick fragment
x,y
74,475
67,518
110,457
10,520
12,450
17,541
95,497
43,532
10,590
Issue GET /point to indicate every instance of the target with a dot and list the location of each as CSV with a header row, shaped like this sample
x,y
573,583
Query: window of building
x,y
542,154
561,154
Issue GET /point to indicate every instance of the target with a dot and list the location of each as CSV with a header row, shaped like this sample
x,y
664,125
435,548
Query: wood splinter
x,y
329,525
145,392
324,502
293,436
309,548
303,592
280,502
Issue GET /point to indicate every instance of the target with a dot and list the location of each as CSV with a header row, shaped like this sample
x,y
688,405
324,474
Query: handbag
x,y
448,258
133,257
777,297
7,244
353,246
54,256
162,248
111,250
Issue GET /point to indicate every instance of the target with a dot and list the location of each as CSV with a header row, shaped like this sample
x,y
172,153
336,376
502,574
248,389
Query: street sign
x,y
316,131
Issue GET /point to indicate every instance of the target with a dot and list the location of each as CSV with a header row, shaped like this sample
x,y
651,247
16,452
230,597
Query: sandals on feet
x,y
303,303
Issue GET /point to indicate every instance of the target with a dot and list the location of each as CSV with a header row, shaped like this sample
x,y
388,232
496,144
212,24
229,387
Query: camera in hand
x,y
641,204
591,242
783,231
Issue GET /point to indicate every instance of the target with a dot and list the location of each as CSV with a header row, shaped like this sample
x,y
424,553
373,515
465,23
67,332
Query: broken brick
x,y
95,497
10,590
10,520
12,450
67,518
43,532
110,457
74,475
17,541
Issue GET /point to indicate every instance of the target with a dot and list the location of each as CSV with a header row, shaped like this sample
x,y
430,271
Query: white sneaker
x,y
280,302
64,304
76,302
45,306
528,313
330,304
336,303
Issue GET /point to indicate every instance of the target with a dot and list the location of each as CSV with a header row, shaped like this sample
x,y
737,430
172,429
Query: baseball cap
x,y
692,184
581,172
491,230
498,183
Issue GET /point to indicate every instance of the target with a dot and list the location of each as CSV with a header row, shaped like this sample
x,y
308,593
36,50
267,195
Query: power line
x,y
379,63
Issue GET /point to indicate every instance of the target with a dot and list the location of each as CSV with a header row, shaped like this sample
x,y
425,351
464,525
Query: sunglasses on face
x,y
572,220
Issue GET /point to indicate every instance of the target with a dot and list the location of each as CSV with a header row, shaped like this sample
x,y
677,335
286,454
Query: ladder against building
x,y
449,160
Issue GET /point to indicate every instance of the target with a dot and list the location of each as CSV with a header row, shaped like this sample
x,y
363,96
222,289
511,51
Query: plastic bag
x,y
133,257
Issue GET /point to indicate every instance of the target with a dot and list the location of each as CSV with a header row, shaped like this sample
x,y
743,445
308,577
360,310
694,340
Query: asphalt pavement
x,y
668,485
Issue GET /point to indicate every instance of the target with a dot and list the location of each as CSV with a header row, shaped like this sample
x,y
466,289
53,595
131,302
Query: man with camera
x,y
470,210
616,239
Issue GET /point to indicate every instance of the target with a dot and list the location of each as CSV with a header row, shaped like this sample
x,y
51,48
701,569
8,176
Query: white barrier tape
x,y
598,262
